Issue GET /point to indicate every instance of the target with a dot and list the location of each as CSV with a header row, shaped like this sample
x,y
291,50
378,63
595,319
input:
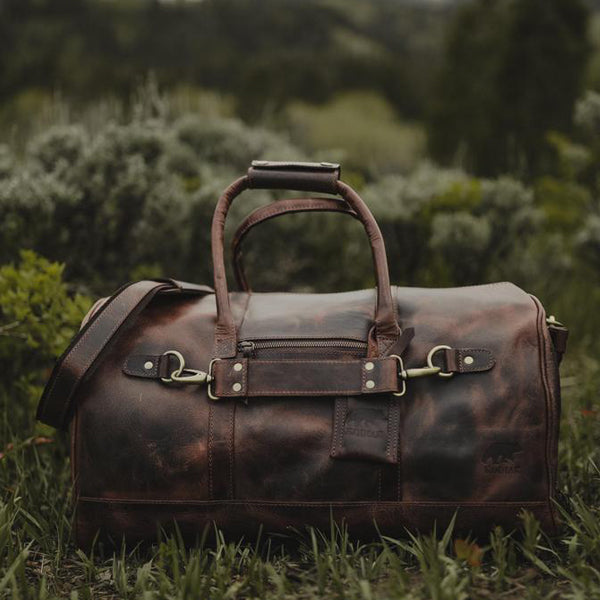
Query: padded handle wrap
x,y
298,176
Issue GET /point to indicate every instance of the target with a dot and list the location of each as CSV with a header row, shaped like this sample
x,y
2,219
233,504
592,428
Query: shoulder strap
x,y
103,328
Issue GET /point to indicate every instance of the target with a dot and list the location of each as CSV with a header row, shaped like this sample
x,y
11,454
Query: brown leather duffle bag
x,y
386,409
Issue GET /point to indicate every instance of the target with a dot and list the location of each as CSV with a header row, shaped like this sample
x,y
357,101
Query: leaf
x,y
468,551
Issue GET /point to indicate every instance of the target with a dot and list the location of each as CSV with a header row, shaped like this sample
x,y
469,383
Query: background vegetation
x,y
471,128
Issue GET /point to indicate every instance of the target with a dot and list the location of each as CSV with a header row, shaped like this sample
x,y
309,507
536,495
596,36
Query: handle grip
x,y
298,176
386,329
276,209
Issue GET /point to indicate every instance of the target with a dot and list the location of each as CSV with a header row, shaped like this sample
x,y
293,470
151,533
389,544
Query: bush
x,y
127,200
38,317
135,199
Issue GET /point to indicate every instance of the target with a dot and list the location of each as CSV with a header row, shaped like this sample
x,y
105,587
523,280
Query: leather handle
x,y
386,327
266,213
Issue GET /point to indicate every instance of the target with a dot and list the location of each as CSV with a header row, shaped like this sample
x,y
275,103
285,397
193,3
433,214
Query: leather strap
x,y
386,325
102,329
449,360
265,213
243,377
559,335
464,360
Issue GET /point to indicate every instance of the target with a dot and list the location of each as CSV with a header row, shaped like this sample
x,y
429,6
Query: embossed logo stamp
x,y
364,432
366,423
502,458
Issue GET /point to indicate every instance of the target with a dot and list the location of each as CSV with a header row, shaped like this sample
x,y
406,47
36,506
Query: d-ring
x,y
210,378
179,369
430,359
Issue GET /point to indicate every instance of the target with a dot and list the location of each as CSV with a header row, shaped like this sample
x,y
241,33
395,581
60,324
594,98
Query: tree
x,y
512,73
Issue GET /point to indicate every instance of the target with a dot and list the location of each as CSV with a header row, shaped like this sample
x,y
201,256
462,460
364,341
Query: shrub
x,y
38,317
128,200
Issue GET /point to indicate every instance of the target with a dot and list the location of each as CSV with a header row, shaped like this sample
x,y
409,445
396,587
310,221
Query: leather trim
x,y
477,360
307,503
241,377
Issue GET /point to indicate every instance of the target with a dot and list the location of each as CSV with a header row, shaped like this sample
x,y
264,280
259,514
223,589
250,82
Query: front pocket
x,y
364,428
302,348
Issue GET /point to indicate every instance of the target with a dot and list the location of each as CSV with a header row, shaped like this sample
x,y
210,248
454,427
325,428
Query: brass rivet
x,y
238,367
469,360
370,384
148,365
237,387
369,366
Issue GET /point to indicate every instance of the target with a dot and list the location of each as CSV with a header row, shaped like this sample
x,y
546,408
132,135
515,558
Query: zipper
x,y
248,348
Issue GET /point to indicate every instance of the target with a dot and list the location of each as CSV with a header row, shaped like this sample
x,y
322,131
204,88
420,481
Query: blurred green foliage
x,y
489,79
513,70
362,132
264,53
38,318
135,199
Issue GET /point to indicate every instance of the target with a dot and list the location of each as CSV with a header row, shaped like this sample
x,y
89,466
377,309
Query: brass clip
x,y
420,372
181,374
190,376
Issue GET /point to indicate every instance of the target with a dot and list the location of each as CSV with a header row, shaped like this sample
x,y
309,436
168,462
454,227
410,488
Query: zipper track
x,y
274,344
315,347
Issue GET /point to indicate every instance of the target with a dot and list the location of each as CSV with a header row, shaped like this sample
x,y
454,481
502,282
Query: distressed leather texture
x,y
481,444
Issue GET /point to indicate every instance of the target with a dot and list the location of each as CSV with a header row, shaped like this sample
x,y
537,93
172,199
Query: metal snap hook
x,y
183,375
178,370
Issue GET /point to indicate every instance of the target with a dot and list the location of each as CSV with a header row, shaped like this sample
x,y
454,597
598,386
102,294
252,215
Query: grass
x,y
39,560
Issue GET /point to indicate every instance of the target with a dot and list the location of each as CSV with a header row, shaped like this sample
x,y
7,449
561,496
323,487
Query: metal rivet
x,y
237,387
370,384
238,367
468,360
369,366
148,365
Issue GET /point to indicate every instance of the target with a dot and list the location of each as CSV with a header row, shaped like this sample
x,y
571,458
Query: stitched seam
x,y
337,415
354,392
547,399
210,450
303,337
474,369
394,417
389,432
312,362
399,477
129,370
309,504
363,376
231,446
398,470
342,427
